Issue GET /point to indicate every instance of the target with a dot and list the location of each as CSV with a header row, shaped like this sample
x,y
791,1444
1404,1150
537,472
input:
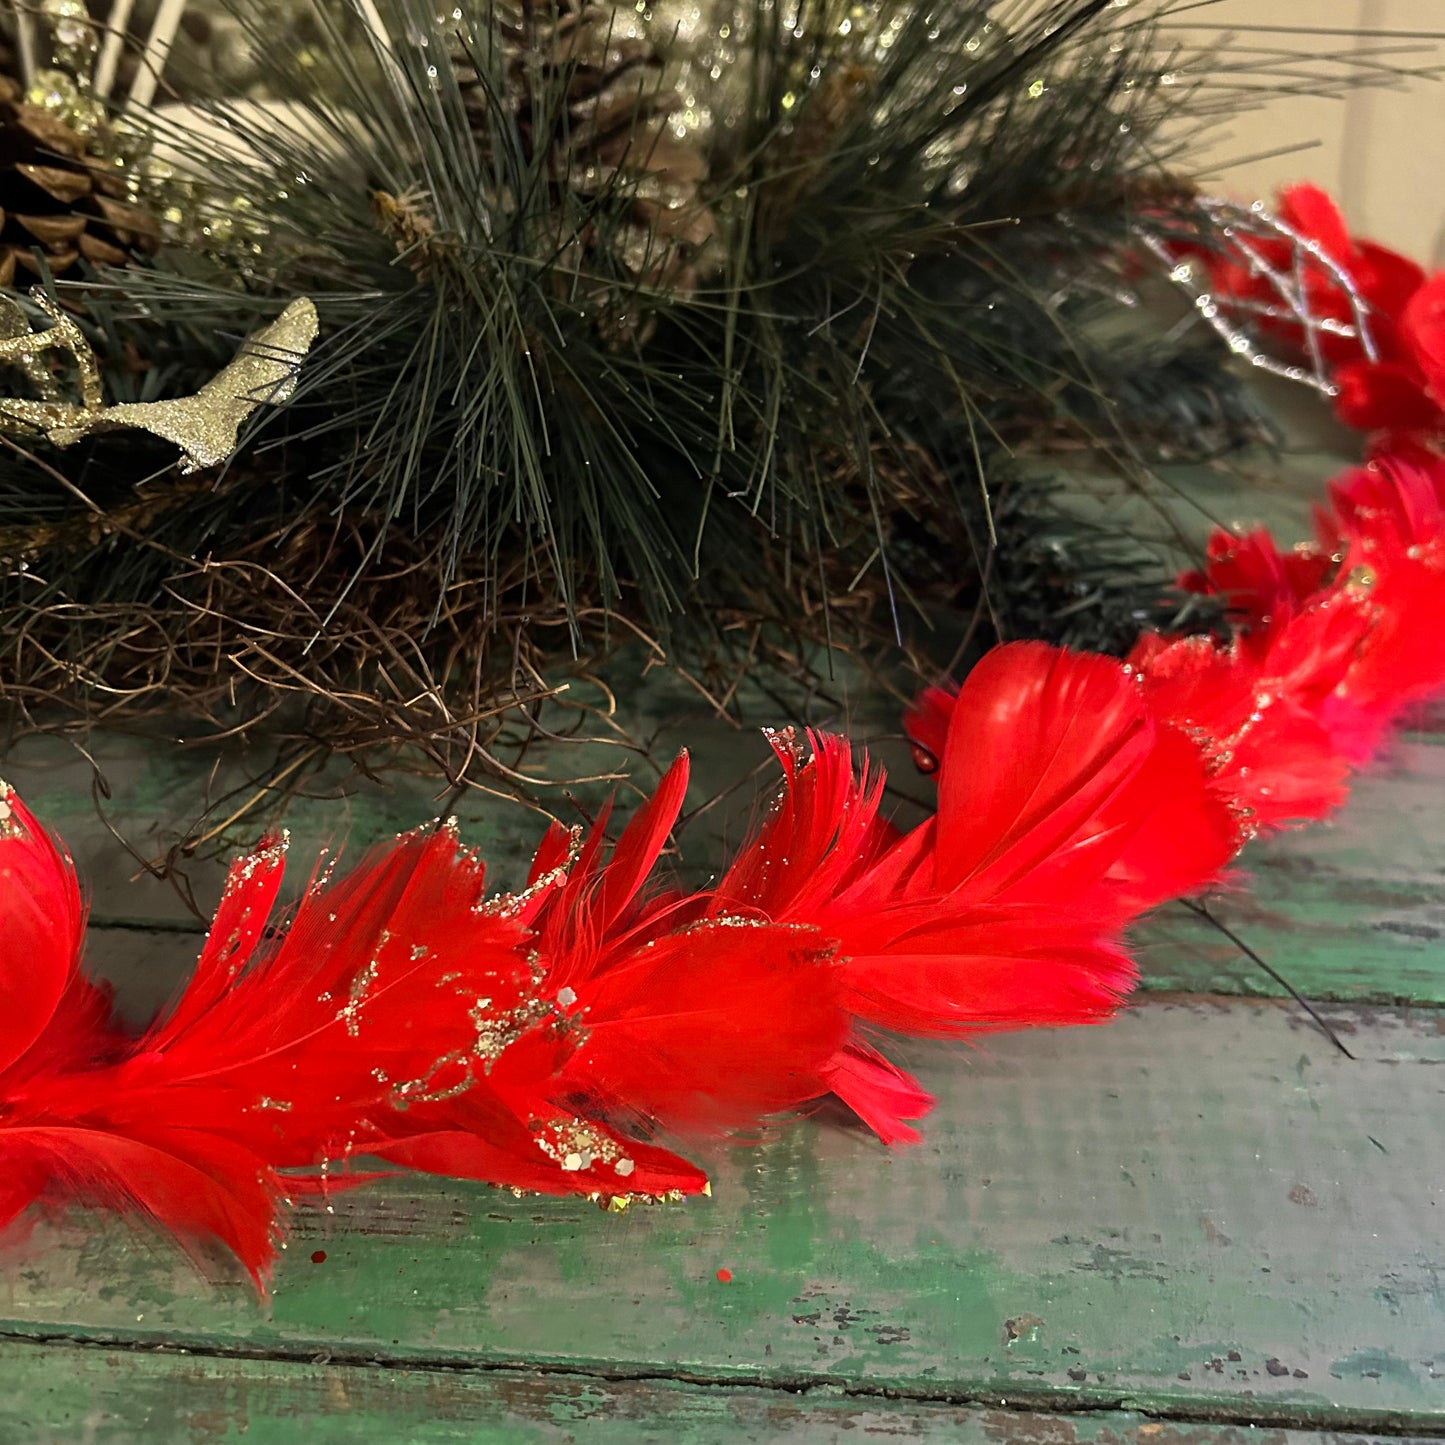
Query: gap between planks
x,y
1023,1401
1148,1219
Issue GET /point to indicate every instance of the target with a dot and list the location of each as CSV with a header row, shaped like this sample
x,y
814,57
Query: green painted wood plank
x,y
1201,1207
1351,909
51,1394
160,795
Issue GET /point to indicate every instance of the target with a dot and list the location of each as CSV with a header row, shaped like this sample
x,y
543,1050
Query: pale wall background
x,y
1381,152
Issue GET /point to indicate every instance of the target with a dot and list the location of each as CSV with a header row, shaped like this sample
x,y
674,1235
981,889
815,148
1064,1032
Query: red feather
x,y
1397,383
672,1020
194,1185
1422,324
1344,654
588,916
377,983
878,1092
562,1155
44,924
1392,517
1254,578
926,723
937,968
821,837
285,1047
711,1027
1041,745
695,1022
546,1039
1184,834
1384,396
1056,789
1267,758
60,1052
1062,814
918,955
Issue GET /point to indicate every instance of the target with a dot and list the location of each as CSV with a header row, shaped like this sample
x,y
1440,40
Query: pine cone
x,y
614,133
57,198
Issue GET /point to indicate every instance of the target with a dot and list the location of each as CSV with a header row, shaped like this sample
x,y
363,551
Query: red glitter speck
x,y
318,1256
724,1276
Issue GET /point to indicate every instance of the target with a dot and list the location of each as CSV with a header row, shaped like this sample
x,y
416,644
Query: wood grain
x,y
58,1395
1202,1211
1353,909
1202,1206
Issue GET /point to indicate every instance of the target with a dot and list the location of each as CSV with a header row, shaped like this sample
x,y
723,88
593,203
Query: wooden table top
x,y
1200,1223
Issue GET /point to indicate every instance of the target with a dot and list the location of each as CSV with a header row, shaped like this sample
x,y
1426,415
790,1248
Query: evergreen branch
x,y
805,386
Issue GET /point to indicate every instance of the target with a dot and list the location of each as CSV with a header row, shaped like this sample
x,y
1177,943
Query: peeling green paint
x,y
1169,1211
1354,910
60,1395
1203,1209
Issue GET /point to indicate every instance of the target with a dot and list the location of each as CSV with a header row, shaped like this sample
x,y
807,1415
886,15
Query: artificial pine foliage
x,y
748,318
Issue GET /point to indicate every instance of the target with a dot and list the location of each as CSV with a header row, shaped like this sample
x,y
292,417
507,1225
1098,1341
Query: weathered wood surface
x,y
1203,1209
1202,1213
1353,908
1350,909
61,1396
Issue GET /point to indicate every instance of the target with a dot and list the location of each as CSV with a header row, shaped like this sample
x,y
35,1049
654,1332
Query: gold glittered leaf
x,y
204,426
24,350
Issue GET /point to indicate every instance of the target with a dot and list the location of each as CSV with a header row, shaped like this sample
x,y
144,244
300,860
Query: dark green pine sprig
x,y
911,245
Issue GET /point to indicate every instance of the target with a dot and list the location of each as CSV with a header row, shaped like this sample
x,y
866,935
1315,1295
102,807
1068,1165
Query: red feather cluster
x,y
552,1039
1396,385
1331,642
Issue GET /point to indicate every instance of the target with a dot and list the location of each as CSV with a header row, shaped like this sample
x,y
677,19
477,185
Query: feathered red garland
x,y
548,1039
